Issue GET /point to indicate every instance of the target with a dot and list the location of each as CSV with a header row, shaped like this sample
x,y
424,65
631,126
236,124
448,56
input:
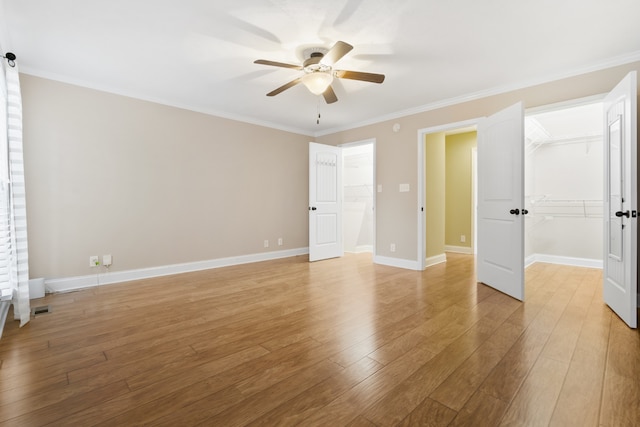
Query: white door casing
x,y
620,200
325,201
500,257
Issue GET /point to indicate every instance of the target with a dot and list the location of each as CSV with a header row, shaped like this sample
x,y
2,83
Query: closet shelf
x,y
566,208
358,192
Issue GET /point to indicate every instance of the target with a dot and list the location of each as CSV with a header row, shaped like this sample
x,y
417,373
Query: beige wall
x,y
397,153
155,185
458,189
435,194
152,185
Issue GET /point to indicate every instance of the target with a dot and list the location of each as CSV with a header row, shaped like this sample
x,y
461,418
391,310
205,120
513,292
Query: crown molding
x,y
602,65
111,90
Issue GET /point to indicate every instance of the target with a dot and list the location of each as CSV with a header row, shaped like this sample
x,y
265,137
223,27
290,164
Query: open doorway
x,y
358,196
564,186
448,191
501,199
563,183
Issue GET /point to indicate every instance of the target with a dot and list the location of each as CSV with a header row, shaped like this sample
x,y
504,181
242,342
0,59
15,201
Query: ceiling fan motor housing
x,y
312,62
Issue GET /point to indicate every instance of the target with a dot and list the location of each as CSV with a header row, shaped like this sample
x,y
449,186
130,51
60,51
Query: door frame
x,y
559,106
422,239
373,142
421,262
422,221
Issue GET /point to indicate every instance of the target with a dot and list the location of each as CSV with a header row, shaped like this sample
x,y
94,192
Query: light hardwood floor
x,y
337,342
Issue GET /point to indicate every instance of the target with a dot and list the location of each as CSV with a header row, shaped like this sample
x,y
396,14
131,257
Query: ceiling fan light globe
x,y
317,82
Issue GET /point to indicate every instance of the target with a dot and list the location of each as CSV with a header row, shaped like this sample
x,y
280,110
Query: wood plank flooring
x,y
336,342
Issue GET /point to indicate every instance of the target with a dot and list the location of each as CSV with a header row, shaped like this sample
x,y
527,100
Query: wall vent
x,y
43,309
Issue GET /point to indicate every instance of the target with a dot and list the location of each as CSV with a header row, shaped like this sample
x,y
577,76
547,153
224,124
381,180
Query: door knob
x,y
313,208
621,214
524,211
514,211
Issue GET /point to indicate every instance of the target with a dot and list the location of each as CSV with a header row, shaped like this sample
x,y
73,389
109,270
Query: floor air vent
x,y
43,309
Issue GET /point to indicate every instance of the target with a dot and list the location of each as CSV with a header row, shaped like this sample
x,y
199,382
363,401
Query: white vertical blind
x,y
14,261
6,292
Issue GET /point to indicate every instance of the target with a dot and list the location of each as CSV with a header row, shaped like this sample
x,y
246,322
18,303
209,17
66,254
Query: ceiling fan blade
x,y
284,87
329,95
338,50
357,75
277,64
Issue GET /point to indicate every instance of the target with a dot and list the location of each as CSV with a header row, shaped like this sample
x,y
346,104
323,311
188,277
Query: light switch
x,y
404,188
379,188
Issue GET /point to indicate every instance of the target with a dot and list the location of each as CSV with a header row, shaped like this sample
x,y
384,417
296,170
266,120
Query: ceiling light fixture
x,y
317,82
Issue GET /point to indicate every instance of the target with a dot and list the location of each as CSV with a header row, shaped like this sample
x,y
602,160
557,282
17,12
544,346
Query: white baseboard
x,y
436,259
364,248
107,278
555,259
361,249
459,249
530,260
396,262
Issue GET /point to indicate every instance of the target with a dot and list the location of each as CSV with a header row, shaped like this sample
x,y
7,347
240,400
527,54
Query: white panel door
x,y
325,201
620,200
500,257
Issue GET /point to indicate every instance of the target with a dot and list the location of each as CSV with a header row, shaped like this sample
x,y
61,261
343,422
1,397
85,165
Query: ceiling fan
x,y
319,72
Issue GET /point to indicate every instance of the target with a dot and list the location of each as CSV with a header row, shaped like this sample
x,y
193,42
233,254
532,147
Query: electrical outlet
x,y
106,260
279,241
94,261
392,248
266,243
463,238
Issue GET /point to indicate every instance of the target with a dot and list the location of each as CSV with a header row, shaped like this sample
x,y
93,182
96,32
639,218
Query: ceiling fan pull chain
x,y
318,119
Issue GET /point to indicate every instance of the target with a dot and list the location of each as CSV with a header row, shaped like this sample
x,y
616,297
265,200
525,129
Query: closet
x,y
357,180
564,186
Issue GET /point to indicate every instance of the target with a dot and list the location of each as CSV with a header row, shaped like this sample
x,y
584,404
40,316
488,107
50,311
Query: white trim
x,y
474,197
529,261
130,94
361,249
436,259
396,262
565,260
364,248
563,105
422,199
357,143
67,284
459,249
422,133
603,65
471,123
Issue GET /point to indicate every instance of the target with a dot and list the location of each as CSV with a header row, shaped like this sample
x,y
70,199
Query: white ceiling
x,y
198,54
